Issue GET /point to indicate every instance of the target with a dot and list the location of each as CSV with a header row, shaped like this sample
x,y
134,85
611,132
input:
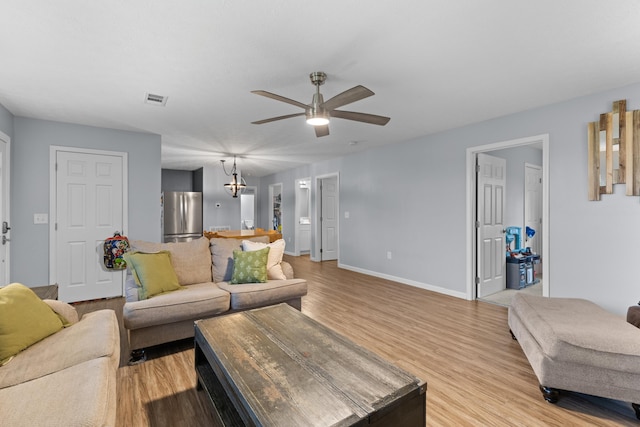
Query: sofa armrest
x,y
287,269
65,310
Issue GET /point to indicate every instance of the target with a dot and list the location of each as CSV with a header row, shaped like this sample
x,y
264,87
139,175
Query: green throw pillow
x,y
24,320
250,267
153,272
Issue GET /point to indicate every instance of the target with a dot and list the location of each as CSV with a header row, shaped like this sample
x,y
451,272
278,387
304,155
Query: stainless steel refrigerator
x,y
182,215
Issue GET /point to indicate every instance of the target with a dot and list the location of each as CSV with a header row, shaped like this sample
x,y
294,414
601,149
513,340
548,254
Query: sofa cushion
x,y
191,260
276,251
24,320
81,395
222,256
195,301
579,331
252,295
153,272
250,267
96,335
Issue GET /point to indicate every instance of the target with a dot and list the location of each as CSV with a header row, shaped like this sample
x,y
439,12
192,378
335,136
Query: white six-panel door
x,y
533,206
329,220
89,207
490,216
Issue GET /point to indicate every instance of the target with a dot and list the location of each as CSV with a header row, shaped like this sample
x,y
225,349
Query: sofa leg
x,y
550,394
636,407
295,303
137,356
513,336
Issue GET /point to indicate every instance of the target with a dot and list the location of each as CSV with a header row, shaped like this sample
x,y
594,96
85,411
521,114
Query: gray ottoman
x,y
575,345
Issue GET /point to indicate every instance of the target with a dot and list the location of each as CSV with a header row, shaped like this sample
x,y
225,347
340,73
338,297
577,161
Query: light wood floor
x,y
476,373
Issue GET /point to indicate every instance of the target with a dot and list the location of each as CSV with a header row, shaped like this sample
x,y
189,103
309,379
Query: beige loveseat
x,y
67,379
203,267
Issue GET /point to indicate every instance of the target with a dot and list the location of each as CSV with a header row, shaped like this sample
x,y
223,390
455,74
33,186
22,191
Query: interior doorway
x,y
248,208
303,216
275,207
471,244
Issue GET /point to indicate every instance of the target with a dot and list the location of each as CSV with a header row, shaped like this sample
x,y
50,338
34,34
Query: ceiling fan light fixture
x,y
318,112
317,120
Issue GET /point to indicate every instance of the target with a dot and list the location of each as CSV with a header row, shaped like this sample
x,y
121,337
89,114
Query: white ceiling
x,y
433,64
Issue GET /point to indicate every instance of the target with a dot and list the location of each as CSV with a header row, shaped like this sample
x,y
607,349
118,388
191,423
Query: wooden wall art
x,y
614,151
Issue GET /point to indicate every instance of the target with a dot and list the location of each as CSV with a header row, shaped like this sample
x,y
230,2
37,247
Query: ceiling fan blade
x,y
280,98
361,117
273,119
347,97
322,130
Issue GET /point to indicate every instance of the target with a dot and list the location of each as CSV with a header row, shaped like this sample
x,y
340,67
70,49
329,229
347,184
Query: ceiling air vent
x,y
152,99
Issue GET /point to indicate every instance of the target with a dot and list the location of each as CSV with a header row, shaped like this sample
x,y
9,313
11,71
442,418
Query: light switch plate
x,y
40,218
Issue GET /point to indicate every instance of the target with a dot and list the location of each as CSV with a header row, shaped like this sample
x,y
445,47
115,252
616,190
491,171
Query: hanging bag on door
x,y
114,249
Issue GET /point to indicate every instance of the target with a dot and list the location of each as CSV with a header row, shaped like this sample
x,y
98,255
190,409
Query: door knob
x,y
5,227
5,240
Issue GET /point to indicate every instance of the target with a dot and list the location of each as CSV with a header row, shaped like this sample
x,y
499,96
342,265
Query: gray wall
x,y
593,245
30,187
182,180
213,192
177,180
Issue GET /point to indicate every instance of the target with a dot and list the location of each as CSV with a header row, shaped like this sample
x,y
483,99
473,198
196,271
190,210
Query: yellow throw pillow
x,y
24,320
153,272
250,267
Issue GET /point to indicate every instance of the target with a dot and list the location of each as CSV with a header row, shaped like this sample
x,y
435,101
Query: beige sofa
x,y
203,268
67,379
575,345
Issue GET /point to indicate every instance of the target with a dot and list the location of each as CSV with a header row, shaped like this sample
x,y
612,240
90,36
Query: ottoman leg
x,y
550,394
636,407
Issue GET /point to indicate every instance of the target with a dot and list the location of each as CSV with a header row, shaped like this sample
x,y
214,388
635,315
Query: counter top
x,y
244,234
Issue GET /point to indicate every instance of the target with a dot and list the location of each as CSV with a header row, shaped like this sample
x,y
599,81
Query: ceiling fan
x,y
319,111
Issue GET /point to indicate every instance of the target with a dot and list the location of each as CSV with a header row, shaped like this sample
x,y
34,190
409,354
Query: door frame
x,y
317,238
53,220
542,139
7,203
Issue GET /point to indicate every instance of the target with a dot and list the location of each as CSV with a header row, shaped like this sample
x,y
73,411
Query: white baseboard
x,y
420,285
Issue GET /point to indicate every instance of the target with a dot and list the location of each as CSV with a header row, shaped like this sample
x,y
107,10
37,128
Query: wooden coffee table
x,y
275,366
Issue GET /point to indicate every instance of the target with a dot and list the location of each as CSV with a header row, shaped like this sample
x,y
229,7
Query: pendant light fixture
x,y
235,186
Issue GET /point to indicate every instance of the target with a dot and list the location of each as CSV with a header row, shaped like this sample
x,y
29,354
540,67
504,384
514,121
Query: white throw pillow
x,y
276,250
